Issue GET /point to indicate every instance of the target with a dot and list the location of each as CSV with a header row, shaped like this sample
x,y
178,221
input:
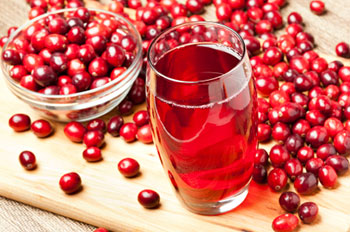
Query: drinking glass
x,y
202,104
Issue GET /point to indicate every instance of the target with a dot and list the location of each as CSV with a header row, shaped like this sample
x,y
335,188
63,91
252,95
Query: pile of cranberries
x,y
304,101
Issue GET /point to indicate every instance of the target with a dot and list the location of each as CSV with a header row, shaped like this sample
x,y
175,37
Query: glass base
x,y
220,207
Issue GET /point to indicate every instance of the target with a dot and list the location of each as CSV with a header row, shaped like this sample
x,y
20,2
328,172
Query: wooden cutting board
x,y
110,200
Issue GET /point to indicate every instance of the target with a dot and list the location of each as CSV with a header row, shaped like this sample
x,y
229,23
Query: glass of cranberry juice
x,y
203,108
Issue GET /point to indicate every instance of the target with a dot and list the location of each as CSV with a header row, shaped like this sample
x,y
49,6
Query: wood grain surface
x,y
108,199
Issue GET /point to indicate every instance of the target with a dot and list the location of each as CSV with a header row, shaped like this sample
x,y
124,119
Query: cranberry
x,y
194,6
329,77
344,99
317,7
319,65
335,65
128,132
75,66
342,142
280,131
58,62
332,91
114,125
277,179
41,128
342,49
264,132
125,107
339,163
344,73
278,97
304,154
263,26
301,127
317,136
328,176
261,157
273,115
27,160
76,35
266,85
290,112
255,14
289,201
236,4
299,98
293,168
302,83
86,53
308,212
29,83
100,229
92,154
290,75
333,126
72,51
144,134
148,198
81,81
83,14
262,70
252,44
293,143
313,165
137,94
129,167
38,39
75,131
11,57
141,118
115,55
70,182
315,117
67,89
96,124
326,150
19,122
259,174
93,138
58,25
272,56
295,17
50,90
306,183
98,67
56,43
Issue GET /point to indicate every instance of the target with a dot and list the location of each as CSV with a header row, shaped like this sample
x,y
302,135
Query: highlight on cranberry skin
x,y
129,167
70,183
148,199
27,160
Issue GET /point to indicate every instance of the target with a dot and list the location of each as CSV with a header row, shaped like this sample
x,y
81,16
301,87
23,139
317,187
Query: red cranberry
x,y
342,49
11,57
125,107
148,198
344,73
279,156
58,62
144,134
309,55
81,81
259,173
344,99
83,14
75,131
273,115
278,97
17,72
92,154
285,223
290,112
96,124
294,17
41,128
302,83
76,35
308,212
289,201
98,67
293,29
115,55
141,118
38,39
29,83
264,132
261,157
70,183
313,165
19,122
319,65
67,89
306,183
262,70
194,6
72,51
329,77
128,132
318,135
86,53
339,163
342,142
50,90
266,85
114,125
315,117
299,98
255,14
326,150
335,65
280,131
317,7
277,179
328,176
236,4
27,160
293,168
290,75
304,45
3,40
137,94
332,91
58,25
129,167
263,26
304,154
253,45
333,126
301,127
93,138
293,143
56,43
75,66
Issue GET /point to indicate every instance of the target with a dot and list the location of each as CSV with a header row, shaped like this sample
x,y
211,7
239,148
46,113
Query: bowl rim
x,y
25,91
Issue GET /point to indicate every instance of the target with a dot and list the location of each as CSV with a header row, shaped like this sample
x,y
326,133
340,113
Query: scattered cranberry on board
x,y
70,183
148,199
92,154
129,167
41,128
285,223
27,160
19,122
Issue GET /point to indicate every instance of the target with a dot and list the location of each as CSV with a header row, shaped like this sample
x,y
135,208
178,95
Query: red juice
x,y
203,121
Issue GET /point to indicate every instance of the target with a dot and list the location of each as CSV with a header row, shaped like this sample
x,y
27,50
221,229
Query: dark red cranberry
x,y
93,138
141,118
293,168
290,75
302,83
264,132
19,122
253,44
128,132
313,165
92,154
74,21
293,143
137,94
70,183
279,155
290,112
76,35
304,154
329,77
318,135
58,25
261,157
299,98
277,179
114,125
125,107
326,150
56,43
115,55
295,17
342,49
315,117
259,173
98,42
335,65
328,176
304,45
128,167
317,7
81,81
293,52
86,53
144,134
289,201
342,142
285,223
50,90
280,131
41,128
11,57
83,14
75,131
306,183
301,127
266,85
27,160
148,199
308,212
339,163
96,124
59,62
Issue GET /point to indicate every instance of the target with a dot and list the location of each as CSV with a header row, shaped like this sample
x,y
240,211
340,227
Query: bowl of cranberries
x,y
73,64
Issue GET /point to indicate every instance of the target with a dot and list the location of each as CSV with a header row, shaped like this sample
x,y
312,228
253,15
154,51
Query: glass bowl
x,y
80,106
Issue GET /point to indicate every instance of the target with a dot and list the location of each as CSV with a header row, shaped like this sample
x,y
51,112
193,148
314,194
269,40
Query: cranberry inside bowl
x,y
73,64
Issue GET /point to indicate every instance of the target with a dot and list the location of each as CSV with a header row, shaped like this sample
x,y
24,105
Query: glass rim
x,y
78,94
157,38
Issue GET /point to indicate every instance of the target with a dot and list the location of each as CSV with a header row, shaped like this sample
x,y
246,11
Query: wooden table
x,y
328,29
